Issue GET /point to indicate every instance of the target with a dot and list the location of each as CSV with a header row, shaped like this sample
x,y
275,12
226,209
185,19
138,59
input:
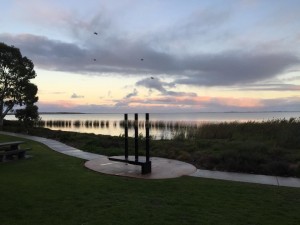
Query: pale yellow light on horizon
x,y
90,89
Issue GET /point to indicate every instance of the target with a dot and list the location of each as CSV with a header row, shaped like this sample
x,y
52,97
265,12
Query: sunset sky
x,y
159,55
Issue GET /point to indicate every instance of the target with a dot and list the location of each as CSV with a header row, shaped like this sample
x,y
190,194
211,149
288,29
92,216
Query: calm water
x,y
111,122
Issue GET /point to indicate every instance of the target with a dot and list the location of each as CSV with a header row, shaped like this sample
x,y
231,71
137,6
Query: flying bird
x,y
94,60
152,78
142,59
95,33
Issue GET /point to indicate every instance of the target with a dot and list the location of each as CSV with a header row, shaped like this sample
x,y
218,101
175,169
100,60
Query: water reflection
x,y
162,125
158,129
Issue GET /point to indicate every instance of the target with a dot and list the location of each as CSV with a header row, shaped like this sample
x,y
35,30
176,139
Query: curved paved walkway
x,y
161,168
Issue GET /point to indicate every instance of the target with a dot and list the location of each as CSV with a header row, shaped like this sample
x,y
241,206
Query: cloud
x,y
204,45
178,104
74,95
157,84
191,103
154,83
282,104
48,54
134,93
236,67
202,25
207,104
121,56
174,50
270,87
292,79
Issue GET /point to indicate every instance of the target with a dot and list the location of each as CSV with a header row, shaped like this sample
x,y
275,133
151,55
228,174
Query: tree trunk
x,y
1,123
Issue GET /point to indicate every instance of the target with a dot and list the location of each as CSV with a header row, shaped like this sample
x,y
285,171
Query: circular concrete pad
x,y
161,168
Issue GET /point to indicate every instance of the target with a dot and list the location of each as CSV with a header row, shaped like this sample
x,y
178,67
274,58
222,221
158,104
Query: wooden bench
x,y
11,150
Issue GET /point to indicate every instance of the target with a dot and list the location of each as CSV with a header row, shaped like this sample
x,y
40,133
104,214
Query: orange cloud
x,y
189,103
194,101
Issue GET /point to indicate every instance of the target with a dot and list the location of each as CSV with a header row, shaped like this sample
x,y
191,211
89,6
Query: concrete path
x,y
57,146
161,168
249,178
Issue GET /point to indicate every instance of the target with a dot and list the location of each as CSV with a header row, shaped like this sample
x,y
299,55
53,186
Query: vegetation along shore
x,y
270,147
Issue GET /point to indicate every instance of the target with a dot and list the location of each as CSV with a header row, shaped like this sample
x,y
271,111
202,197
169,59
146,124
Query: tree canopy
x,y
16,89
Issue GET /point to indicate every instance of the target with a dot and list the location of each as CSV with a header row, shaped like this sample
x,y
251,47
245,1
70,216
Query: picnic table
x,y
10,150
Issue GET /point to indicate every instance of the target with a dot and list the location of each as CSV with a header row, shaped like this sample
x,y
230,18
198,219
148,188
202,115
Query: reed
x,y
279,130
283,132
77,123
96,123
157,125
102,123
40,123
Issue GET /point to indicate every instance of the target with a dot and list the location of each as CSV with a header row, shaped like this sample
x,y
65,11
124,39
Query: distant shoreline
x,y
53,113
49,113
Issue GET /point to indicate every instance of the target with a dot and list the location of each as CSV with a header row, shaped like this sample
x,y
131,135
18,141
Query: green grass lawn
x,y
51,188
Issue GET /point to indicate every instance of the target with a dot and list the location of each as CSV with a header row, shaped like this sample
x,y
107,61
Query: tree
x,y
16,72
30,113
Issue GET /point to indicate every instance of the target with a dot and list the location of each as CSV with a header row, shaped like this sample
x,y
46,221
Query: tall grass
x,y
282,132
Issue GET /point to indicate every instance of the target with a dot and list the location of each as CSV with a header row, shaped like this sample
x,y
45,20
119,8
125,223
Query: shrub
x,y
279,168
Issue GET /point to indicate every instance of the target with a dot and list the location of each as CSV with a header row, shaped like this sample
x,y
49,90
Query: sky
x,y
115,56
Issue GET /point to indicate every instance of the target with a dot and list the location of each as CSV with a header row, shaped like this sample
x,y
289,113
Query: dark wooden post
x,y
136,137
147,138
126,135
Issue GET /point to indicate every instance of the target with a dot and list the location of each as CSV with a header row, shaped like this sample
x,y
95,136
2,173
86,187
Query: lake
x,y
162,124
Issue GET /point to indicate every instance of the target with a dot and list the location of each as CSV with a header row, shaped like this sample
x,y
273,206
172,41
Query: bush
x,y
279,168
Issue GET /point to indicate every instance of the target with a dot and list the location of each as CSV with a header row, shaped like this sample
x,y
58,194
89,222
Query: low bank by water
x,y
163,125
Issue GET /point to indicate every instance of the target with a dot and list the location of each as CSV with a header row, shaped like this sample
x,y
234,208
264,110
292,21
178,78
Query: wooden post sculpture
x,y
146,165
